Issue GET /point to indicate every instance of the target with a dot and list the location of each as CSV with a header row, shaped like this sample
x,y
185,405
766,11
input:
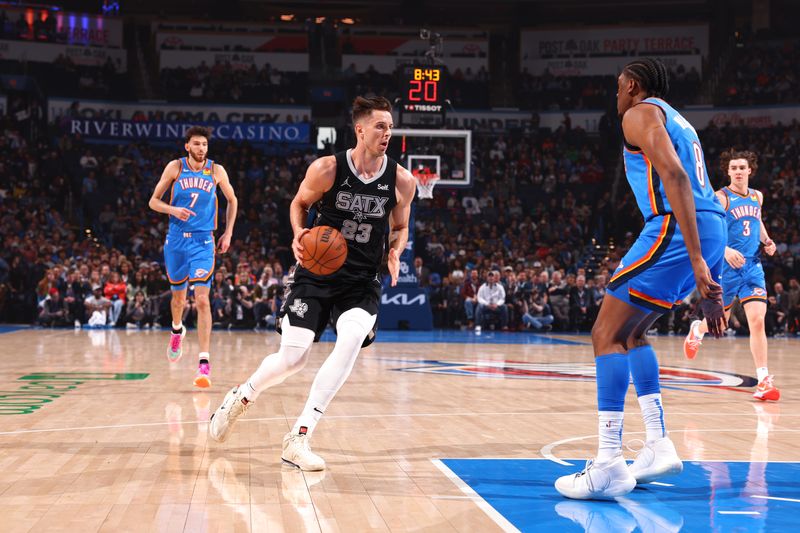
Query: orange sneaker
x,y
767,391
692,342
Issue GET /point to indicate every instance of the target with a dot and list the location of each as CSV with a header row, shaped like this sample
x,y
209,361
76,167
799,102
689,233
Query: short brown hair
x,y
198,131
726,157
364,105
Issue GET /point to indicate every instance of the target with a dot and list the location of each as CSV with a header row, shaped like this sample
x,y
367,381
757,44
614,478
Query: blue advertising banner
x,y
405,308
286,133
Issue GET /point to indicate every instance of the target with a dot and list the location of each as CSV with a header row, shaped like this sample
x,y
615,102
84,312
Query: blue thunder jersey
x,y
744,222
196,191
645,181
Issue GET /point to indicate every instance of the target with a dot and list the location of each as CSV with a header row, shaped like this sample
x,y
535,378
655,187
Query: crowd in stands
x,y
764,72
530,246
234,83
554,93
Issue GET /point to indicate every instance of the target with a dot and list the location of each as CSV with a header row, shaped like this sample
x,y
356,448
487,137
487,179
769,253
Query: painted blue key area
x,y
703,497
462,337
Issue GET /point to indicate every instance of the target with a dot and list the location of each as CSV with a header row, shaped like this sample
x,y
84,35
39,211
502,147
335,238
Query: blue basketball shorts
x,y
656,273
747,283
189,258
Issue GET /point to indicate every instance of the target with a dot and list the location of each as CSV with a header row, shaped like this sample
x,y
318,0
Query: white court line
x,y
547,450
775,498
401,415
499,519
740,512
660,484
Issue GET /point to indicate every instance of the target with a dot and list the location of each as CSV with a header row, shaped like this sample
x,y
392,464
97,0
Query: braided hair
x,y
651,74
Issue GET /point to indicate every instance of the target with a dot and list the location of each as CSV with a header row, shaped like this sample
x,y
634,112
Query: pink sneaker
x,y
203,378
175,350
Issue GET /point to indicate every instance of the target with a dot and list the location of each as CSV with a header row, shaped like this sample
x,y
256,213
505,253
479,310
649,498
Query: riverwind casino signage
x,y
119,121
165,131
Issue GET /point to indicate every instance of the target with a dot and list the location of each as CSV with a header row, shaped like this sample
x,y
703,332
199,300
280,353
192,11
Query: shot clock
x,y
423,91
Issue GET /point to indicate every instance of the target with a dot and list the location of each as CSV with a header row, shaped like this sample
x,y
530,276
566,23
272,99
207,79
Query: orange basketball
x,y
324,250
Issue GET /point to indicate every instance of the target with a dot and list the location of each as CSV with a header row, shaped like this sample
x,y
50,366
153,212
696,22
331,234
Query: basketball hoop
x,y
425,185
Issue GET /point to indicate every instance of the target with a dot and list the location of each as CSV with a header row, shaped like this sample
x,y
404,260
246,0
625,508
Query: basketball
x,y
324,250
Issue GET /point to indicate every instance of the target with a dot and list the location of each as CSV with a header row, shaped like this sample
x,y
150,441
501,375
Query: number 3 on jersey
x,y
356,232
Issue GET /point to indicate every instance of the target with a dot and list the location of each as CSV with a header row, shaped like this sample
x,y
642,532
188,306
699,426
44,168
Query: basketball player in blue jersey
x,y
681,246
367,196
742,273
189,246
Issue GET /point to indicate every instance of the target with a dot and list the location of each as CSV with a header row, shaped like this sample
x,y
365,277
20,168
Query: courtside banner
x,y
228,131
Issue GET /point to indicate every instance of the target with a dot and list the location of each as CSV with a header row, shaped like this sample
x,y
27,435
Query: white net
x,y
425,185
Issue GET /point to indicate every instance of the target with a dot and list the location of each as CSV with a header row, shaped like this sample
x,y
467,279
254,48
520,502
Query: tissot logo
x,y
403,299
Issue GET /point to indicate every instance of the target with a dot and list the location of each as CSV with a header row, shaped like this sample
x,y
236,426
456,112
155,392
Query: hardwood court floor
x,y
126,448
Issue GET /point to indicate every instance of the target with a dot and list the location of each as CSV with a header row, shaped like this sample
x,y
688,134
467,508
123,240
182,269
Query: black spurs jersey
x,y
359,209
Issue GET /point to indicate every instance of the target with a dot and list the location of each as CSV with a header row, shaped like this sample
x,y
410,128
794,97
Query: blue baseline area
x,y
9,328
460,337
707,496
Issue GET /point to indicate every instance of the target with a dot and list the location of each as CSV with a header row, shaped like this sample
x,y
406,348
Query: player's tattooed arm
x,y
319,179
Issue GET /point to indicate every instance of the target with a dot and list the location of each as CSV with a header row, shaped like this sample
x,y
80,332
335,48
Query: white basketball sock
x,y
653,416
762,372
609,435
351,330
290,358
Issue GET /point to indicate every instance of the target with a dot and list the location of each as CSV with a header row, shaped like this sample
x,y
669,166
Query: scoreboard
x,y
423,90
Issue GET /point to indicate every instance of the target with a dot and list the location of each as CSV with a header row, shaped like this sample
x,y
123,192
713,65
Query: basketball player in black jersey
x,y
362,193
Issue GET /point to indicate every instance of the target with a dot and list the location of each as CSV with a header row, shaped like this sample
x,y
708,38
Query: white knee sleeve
x,y
291,357
355,322
295,345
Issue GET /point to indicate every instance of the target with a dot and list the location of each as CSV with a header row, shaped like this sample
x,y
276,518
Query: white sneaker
x,y
297,452
598,481
477,329
222,421
657,459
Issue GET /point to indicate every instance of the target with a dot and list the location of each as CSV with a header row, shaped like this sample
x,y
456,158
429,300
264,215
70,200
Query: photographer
x,y
242,309
537,314
54,310
137,315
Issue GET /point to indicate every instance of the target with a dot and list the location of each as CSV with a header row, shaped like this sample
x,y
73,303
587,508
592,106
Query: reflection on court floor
x,y
707,496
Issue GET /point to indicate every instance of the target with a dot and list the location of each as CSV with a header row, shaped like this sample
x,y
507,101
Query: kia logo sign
x,y
403,299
